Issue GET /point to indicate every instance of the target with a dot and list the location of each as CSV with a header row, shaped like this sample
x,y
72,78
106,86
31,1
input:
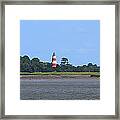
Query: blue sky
x,y
78,40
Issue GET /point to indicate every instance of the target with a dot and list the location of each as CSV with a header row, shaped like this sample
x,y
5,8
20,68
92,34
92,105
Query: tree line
x,y
35,65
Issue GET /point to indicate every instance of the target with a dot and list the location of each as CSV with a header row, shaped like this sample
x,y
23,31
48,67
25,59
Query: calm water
x,y
60,89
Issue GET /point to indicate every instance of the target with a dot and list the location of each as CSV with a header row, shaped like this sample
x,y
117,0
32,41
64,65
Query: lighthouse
x,y
54,62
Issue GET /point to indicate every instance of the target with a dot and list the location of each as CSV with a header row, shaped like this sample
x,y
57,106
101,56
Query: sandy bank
x,y
55,76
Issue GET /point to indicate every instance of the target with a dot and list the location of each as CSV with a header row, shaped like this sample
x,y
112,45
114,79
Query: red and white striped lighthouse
x,y
54,62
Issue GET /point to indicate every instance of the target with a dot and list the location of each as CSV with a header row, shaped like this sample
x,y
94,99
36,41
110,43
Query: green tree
x,y
90,64
64,61
49,67
35,64
90,67
25,65
58,68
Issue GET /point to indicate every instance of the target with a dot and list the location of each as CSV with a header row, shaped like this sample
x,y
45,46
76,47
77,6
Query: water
x,y
60,89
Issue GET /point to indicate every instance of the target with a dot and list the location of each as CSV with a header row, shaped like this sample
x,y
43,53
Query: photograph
x,y
59,59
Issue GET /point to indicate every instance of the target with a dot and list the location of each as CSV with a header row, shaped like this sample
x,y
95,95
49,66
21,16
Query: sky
x,y
77,40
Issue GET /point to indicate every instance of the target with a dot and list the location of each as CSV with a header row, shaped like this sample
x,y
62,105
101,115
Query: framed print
x,y
60,59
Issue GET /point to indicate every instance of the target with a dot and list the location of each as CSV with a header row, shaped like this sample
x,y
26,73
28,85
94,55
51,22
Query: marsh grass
x,y
61,73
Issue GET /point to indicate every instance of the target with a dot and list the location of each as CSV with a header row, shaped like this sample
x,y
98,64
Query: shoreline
x,y
57,76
